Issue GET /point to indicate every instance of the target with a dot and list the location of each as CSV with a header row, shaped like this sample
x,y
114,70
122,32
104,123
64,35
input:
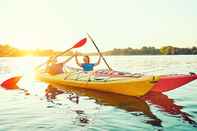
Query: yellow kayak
x,y
131,86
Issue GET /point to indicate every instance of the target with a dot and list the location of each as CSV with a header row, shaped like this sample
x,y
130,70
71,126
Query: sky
x,y
57,24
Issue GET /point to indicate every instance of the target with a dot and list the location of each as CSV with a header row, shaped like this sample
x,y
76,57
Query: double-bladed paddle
x,y
11,83
77,45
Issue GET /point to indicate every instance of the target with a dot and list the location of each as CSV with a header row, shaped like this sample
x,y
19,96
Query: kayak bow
x,y
171,82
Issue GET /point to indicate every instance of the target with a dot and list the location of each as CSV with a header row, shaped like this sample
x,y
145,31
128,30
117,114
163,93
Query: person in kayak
x,y
54,68
87,66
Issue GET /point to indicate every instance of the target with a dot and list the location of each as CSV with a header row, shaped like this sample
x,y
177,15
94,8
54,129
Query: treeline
x,y
170,50
131,51
6,51
166,50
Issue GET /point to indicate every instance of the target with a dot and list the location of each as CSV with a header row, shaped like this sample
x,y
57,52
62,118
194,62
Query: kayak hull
x,y
171,82
128,86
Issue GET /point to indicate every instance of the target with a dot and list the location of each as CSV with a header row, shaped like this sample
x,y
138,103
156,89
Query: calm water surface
x,y
42,109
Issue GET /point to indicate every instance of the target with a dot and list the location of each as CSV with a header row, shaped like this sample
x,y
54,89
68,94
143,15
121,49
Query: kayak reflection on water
x,y
165,104
130,104
52,92
133,105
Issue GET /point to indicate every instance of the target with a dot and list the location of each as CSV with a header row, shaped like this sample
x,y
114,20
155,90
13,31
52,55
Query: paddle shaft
x,y
99,52
77,45
68,59
62,53
54,57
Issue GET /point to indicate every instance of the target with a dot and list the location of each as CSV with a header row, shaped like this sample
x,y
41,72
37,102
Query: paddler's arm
x,y
77,61
99,61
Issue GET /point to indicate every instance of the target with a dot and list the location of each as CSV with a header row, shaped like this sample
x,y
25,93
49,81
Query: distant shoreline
x,y
97,55
8,51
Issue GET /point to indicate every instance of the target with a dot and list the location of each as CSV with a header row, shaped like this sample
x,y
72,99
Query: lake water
x,y
82,110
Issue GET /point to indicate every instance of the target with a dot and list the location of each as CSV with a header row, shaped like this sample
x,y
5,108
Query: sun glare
x,y
28,81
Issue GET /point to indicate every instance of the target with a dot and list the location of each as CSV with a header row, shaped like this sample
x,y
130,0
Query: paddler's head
x,y
86,59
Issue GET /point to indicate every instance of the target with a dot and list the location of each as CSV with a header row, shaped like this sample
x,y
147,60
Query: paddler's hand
x,y
110,72
76,54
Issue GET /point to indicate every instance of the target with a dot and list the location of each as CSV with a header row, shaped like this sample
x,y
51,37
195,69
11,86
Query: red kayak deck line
x,y
171,82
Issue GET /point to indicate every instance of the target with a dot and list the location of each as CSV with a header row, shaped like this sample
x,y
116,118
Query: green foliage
x,y
169,50
166,50
130,51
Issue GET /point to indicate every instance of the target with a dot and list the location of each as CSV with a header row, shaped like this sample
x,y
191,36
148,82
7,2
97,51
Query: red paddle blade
x,y
11,83
80,43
